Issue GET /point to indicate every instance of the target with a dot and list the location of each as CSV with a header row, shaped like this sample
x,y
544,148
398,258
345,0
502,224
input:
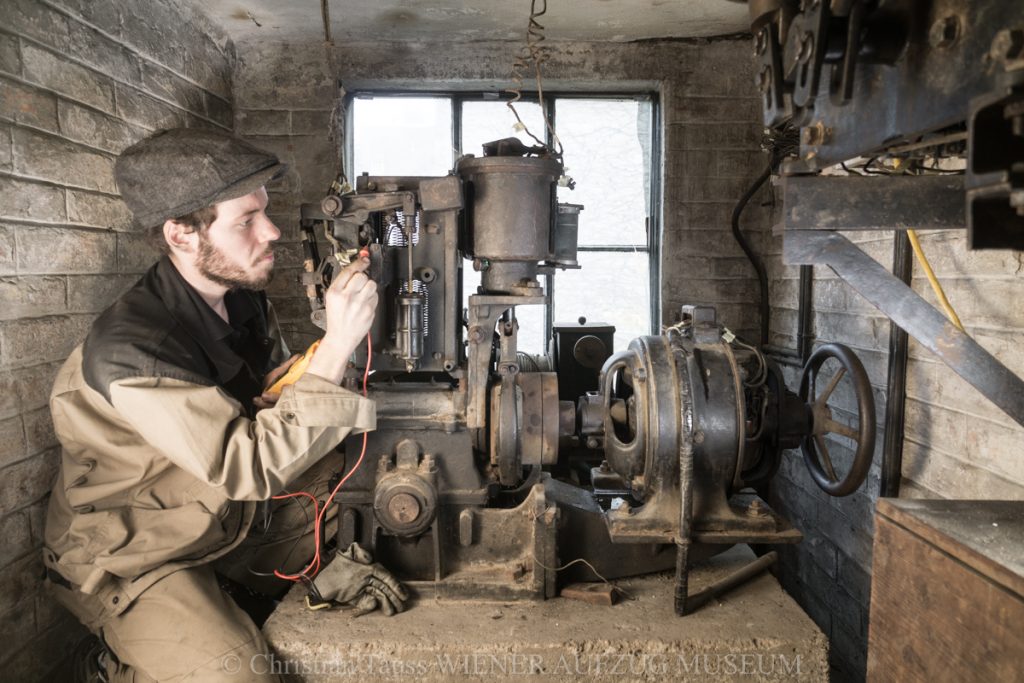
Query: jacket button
x,y
115,600
289,416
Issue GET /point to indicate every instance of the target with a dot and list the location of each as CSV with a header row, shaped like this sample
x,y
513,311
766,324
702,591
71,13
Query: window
x,y
610,151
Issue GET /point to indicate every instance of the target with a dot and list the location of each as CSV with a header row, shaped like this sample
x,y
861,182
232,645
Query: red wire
x,y
313,567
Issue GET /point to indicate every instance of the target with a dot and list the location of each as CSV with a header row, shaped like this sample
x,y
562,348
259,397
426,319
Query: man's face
x,y
235,250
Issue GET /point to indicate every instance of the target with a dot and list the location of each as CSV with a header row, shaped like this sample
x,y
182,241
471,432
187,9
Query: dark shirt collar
x,y
191,311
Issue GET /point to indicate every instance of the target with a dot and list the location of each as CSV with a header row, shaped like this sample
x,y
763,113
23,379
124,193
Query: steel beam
x,y
907,309
888,202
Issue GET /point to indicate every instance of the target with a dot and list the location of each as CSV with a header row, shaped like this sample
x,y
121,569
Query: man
x,y
170,444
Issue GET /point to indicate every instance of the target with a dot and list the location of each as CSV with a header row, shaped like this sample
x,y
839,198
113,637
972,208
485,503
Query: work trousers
x,y
185,627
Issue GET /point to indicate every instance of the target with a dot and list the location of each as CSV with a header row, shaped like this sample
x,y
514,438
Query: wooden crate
x,y
947,594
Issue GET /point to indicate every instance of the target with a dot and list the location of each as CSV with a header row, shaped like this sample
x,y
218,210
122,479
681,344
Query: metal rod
x,y
929,142
804,338
410,226
740,576
682,578
685,499
805,313
896,384
325,15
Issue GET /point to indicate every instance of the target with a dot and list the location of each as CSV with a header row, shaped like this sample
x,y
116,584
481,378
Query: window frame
x,y
653,200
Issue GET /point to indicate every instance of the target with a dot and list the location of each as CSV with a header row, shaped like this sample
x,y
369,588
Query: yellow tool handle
x,y
295,371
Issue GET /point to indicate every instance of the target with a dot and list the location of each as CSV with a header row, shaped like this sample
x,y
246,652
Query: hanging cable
x,y
762,274
310,570
934,281
533,55
780,143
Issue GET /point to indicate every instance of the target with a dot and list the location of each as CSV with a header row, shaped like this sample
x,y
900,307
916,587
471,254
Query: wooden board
x,y
947,596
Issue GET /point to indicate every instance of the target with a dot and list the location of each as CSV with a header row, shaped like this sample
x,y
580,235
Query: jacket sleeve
x,y
204,430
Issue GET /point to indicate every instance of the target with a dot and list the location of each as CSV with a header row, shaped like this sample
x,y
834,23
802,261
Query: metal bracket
x,y
910,311
873,203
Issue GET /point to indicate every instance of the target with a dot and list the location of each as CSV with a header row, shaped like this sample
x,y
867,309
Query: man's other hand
x,y
267,400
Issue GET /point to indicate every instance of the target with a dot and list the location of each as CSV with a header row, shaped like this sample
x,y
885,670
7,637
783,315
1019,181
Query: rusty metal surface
x,y
453,496
540,427
873,203
938,56
910,311
484,312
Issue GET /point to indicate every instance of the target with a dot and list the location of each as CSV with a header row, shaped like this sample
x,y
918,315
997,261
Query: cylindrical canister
x,y
567,227
510,202
409,327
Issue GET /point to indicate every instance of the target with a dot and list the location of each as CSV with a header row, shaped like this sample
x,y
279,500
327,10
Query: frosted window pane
x,y
486,121
610,288
409,136
604,155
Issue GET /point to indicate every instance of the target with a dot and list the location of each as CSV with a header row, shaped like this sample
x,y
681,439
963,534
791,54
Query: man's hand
x,y
267,400
354,580
350,303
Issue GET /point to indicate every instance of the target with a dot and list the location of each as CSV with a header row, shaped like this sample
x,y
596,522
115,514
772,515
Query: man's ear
x,y
181,238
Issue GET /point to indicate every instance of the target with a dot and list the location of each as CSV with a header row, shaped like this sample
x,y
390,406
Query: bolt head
x,y
404,508
331,205
1008,45
944,32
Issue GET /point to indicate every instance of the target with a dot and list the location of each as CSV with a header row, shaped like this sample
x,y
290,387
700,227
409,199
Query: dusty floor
x,y
754,633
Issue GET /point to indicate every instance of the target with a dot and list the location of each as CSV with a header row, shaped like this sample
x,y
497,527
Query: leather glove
x,y
355,580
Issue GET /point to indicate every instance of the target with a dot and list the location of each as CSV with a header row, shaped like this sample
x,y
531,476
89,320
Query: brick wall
x,y
284,93
956,444
80,80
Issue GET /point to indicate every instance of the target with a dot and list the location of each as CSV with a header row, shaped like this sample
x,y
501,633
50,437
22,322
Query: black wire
x,y
780,143
305,512
762,274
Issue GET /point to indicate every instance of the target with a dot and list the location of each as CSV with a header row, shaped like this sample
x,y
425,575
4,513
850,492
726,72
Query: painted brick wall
x,y
284,94
80,80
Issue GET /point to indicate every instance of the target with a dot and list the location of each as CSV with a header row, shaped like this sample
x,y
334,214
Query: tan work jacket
x,y
161,466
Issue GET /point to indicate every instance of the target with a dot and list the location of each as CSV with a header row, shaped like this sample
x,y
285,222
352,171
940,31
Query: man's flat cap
x,y
178,171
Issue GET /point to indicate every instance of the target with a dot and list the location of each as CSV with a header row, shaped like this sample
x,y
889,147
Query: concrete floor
x,y
754,633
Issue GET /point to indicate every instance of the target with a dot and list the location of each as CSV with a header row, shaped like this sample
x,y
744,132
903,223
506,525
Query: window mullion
x,y
457,128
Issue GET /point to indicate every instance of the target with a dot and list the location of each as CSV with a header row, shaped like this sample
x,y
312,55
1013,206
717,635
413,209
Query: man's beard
x,y
215,266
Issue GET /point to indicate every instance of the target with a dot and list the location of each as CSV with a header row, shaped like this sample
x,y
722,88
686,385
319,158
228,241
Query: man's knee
x,y
185,628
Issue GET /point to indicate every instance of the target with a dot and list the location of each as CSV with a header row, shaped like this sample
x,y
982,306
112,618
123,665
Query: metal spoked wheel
x,y
816,454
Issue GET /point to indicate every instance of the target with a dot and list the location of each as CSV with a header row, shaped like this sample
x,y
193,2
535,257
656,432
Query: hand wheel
x,y
816,455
